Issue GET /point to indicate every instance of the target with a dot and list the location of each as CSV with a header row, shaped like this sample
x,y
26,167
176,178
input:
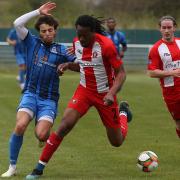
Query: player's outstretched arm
x,y
20,22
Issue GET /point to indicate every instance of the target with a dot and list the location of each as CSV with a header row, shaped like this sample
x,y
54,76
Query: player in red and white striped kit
x,y
101,77
164,63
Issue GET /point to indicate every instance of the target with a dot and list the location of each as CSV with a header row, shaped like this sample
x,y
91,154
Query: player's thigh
x,y
109,114
46,110
80,101
28,104
22,121
25,112
174,109
115,136
111,120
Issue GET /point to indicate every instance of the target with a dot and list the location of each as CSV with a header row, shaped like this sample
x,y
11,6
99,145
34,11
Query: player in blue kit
x,y
117,37
41,91
19,51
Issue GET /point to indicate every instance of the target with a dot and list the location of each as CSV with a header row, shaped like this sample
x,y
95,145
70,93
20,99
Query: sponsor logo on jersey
x,y
54,50
173,65
167,54
79,51
74,101
95,54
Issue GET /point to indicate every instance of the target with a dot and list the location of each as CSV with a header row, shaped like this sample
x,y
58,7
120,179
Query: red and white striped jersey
x,y
166,56
97,63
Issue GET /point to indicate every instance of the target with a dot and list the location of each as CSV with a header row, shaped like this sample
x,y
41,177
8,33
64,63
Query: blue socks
x,y
15,144
40,167
22,74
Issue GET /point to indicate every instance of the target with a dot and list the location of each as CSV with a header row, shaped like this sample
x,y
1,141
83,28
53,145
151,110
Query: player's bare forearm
x,y
70,65
74,66
157,73
124,48
120,77
11,42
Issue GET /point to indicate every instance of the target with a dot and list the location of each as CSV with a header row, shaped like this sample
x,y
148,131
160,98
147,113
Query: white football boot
x,y
10,172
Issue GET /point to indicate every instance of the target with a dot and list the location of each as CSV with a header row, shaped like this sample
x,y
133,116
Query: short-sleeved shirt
x,y
19,47
166,56
97,63
42,62
118,39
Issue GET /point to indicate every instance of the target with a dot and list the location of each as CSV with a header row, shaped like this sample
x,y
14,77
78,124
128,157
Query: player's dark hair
x,y
46,19
111,19
167,18
95,24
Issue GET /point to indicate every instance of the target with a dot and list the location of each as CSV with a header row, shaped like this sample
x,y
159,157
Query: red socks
x,y
124,124
51,145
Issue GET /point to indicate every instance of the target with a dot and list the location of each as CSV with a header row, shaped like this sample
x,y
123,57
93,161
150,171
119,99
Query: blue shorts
x,y
20,59
38,107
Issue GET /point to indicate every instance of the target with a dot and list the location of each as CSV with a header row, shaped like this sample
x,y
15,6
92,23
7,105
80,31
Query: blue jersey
x,y
42,61
117,38
19,47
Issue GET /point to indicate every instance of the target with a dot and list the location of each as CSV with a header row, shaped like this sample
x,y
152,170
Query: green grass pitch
x,y
85,154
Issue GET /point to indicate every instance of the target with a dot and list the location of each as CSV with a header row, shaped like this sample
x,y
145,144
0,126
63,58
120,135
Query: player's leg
x,y
22,69
77,107
46,114
16,140
115,120
22,74
24,116
69,120
42,130
117,134
173,107
177,121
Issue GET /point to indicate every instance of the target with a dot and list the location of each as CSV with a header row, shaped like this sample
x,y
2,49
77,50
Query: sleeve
x,y
29,40
112,56
19,23
122,39
68,53
11,34
153,59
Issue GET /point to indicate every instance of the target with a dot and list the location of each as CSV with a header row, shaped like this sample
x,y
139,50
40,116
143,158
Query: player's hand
x,y
45,8
13,42
61,68
108,99
176,72
121,54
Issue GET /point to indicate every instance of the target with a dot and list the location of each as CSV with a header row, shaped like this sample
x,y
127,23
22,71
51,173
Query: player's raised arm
x,y
20,22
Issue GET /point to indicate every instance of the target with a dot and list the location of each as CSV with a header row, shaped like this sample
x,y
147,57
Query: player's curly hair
x,y
46,19
95,24
168,17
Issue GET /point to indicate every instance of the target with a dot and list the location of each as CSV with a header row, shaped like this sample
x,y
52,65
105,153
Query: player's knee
x,y
20,128
42,136
117,143
64,129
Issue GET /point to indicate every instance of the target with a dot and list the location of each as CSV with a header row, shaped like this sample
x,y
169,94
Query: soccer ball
x,y
147,161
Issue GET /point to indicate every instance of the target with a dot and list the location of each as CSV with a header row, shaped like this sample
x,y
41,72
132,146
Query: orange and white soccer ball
x,y
147,161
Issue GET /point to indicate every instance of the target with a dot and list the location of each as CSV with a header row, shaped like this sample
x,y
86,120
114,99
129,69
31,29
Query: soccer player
x,y
19,51
117,37
164,64
101,77
41,92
